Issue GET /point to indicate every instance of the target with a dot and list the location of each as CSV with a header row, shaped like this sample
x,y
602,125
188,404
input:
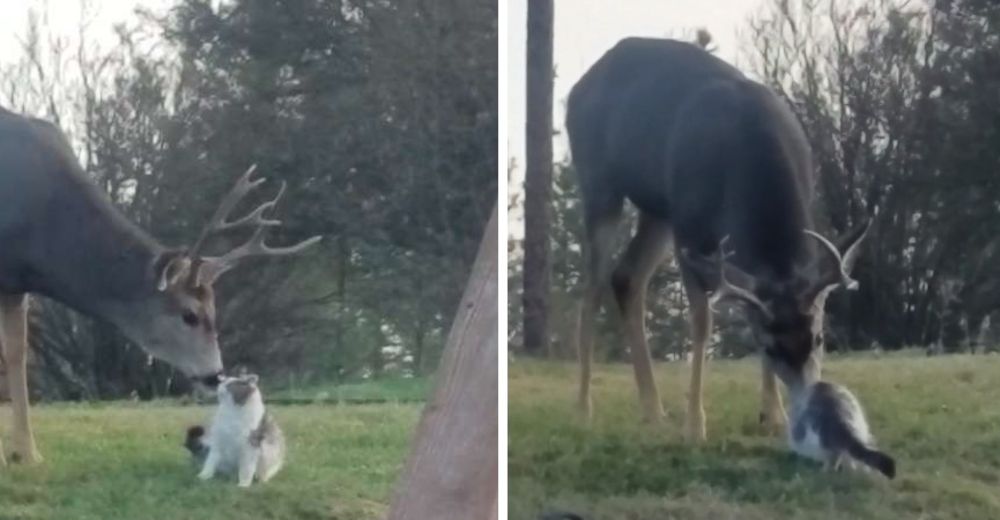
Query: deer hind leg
x,y
14,324
701,329
602,227
630,279
772,412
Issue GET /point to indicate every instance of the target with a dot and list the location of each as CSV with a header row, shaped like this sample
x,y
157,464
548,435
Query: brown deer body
x,y
61,237
707,156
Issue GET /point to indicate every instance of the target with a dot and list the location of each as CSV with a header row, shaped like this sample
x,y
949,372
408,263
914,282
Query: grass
x,y
115,461
939,417
387,389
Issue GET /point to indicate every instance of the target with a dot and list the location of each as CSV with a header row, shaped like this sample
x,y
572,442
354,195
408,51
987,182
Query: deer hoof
x,y
696,435
28,457
653,415
771,424
695,428
585,409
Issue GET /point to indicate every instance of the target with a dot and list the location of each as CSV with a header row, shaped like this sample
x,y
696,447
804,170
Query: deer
x,y
718,165
62,238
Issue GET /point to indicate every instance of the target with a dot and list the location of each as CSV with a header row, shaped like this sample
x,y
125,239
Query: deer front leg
x,y
772,412
585,351
14,324
701,328
600,237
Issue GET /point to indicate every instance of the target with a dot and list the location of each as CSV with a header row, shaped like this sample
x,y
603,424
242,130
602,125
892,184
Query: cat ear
x,y
252,379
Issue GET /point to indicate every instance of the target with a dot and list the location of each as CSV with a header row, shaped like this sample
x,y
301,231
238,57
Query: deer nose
x,y
211,381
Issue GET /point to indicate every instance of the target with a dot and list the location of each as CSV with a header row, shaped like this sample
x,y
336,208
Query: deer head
x,y
786,315
177,324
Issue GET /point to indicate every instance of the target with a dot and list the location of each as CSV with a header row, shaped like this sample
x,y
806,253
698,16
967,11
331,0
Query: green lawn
x,y
940,418
125,461
387,389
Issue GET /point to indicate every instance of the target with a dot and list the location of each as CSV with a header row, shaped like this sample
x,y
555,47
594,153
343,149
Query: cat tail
x,y
195,442
877,460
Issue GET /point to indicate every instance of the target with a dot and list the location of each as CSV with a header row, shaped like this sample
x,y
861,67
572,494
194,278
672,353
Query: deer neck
x,y
87,255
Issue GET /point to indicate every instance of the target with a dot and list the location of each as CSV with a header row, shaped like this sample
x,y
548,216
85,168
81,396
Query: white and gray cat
x,y
827,422
243,439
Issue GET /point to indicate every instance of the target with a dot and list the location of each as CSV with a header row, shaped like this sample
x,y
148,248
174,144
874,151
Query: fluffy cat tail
x,y
878,460
195,442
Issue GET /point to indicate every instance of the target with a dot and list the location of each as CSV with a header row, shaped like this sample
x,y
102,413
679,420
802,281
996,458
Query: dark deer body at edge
x,y
61,237
712,161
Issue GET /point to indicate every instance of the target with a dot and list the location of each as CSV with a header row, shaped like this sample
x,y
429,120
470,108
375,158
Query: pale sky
x,y
584,29
64,18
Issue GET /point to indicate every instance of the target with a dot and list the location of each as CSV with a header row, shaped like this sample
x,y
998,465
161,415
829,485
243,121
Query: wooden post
x,y
452,470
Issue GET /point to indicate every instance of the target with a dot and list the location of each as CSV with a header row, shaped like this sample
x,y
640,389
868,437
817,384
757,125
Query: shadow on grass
x,y
743,470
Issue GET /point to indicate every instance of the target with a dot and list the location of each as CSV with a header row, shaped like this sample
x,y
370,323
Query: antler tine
x,y
243,186
206,270
256,216
844,278
255,246
728,288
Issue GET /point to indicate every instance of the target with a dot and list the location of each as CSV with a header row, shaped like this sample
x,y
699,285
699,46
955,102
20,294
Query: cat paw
x,y
204,475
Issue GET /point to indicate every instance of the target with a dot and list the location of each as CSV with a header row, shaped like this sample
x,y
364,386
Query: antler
x,y
205,270
716,264
727,288
218,222
823,279
840,275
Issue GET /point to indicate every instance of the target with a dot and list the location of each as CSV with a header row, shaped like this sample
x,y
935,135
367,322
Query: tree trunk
x,y
538,174
343,264
418,348
451,473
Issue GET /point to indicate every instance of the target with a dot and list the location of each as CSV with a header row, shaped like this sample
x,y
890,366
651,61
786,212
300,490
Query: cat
x,y
828,424
243,438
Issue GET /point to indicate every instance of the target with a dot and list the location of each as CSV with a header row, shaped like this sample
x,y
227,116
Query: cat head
x,y
238,390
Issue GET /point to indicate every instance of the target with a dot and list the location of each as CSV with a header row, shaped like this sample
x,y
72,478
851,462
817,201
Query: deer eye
x,y
190,318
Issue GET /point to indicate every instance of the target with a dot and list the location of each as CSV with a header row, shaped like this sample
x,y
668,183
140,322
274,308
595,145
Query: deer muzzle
x,y
211,381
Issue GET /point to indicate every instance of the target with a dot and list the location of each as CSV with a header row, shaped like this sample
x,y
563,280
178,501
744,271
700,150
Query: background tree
x,y
381,117
898,101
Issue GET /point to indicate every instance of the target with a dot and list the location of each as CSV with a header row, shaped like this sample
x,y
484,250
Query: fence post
x,y
451,473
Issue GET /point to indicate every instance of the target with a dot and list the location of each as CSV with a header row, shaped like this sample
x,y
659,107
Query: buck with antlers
x,y
704,154
62,238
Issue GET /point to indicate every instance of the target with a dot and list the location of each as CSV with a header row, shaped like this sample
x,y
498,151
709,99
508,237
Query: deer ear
x,y
169,267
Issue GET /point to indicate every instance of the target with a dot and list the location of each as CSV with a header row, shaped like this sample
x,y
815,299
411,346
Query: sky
x,y
64,18
584,29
